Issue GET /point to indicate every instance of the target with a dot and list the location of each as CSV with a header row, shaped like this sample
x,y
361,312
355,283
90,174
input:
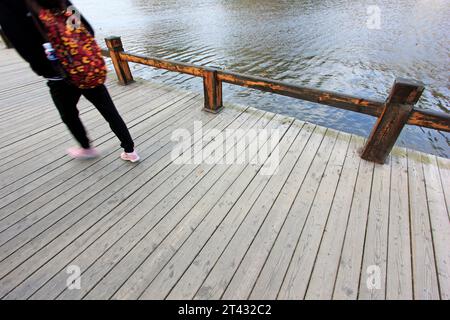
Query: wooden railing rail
x,y
393,114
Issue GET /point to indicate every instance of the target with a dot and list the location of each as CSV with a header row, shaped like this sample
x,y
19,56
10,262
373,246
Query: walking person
x,y
18,19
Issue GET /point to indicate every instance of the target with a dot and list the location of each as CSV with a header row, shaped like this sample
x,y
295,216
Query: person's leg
x,y
101,99
66,98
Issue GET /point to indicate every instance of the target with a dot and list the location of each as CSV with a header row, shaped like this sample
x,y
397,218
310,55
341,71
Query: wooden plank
x,y
24,84
206,260
10,59
115,158
440,223
18,77
108,231
297,277
118,167
31,214
36,92
47,113
84,106
33,130
140,254
211,231
98,128
30,130
128,194
425,282
38,106
15,68
267,286
151,209
54,168
399,270
71,175
9,101
350,264
231,200
227,221
116,91
247,274
288,239
62,139
186,288
27,150
325,270
22,102
20,82
81,218
171,243
131,232
66,182
444,171
373,273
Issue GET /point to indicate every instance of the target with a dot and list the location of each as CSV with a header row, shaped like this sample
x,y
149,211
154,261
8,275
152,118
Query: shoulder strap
x,y
34,9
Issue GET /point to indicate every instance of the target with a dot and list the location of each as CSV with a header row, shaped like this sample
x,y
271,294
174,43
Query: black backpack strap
x,y
34,9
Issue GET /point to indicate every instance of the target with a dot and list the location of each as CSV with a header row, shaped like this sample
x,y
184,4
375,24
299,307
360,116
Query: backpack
x,y
78,53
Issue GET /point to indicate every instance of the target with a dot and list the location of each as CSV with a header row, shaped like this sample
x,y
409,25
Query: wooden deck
x,y
160,230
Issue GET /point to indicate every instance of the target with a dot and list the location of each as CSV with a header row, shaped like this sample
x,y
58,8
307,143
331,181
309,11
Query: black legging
x,y
66,97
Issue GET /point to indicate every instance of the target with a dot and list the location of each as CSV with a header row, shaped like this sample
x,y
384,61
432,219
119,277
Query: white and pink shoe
x,y
132,156
83,154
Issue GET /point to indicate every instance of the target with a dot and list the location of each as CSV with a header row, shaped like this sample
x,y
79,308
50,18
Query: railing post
x,y
122,68
6,41
212,88
397,109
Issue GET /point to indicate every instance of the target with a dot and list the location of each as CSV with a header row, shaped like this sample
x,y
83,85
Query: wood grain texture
x,y
419,117
396,112
121,66
423,256
399,284
167,230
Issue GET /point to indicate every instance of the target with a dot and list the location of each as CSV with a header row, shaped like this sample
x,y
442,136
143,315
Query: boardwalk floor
x,y
326,225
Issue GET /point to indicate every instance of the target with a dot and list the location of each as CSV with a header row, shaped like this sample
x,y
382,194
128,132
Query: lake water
x,y
324,44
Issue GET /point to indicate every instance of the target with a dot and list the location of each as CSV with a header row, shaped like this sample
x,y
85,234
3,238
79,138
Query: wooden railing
x,y
393,114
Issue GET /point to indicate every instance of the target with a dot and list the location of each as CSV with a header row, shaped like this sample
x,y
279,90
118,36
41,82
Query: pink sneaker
x,y
132,157
83,154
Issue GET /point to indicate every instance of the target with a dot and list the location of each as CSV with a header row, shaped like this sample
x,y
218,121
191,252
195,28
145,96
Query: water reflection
x,y
323,44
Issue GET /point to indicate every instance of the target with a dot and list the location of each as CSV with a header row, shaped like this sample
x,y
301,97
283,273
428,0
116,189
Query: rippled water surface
x,y
317,43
